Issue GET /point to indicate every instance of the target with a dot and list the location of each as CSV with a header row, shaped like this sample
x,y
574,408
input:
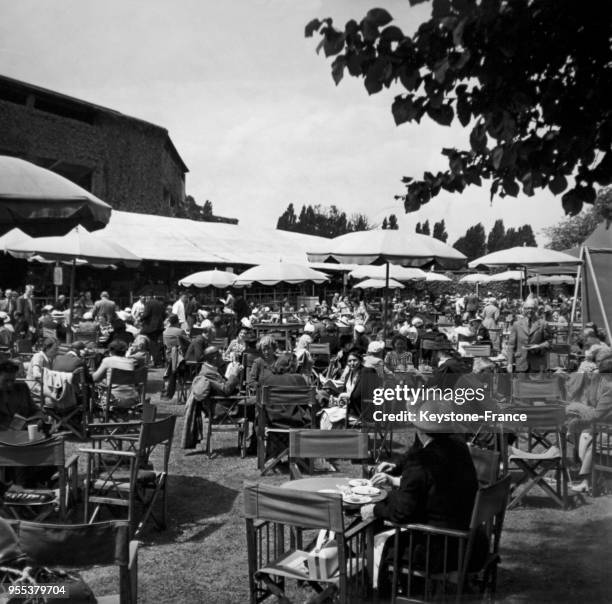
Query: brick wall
x,y
132,169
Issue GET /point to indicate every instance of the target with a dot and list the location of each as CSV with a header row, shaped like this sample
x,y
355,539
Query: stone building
x,y
129,163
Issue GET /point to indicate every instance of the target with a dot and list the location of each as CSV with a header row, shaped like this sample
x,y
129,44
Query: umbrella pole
x,y
56,286
385,299
71,303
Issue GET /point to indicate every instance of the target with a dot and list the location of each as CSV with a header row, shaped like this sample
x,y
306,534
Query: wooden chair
x,y
486,463
220,343
329,444
83,545
528,389
108,405
276,521
545,450
321,356
72,419
184,379
110,481
42,454
447,560
379,430
602,456
274,405
477,350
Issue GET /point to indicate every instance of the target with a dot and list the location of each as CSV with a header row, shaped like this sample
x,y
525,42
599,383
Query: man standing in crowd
x,y
529,339
179,308
153,325
104,307
138,309
25,305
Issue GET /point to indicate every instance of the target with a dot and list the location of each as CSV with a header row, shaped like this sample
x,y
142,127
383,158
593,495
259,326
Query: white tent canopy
x,y
160,238
386,245
525,256
505,276
474,278
551,280
379,284
212,278
432,277
280,272
399,273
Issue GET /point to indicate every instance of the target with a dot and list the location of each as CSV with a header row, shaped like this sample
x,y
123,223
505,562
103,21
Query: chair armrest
x,y
73,461
109,452
133,555
128,424
433,530
364,524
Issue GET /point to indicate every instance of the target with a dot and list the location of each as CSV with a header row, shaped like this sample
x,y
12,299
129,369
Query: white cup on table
x,y
32,432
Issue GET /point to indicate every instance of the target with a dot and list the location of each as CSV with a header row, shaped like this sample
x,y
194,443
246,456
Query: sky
x,y
250,106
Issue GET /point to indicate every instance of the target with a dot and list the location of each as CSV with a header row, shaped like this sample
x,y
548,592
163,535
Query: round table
x,y
19,437
319,483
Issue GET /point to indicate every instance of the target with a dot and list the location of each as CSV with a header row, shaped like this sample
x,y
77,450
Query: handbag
x,y
322,560
62,398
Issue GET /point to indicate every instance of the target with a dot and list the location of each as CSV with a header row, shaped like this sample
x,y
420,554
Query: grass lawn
x,y
548,555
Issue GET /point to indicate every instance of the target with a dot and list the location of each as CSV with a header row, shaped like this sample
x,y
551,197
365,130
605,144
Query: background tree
x,y
525,236
417,229
439,231
322,221
393,225
384,224
287,219
472,244
573,231
497,236
425,230
207,209
516,72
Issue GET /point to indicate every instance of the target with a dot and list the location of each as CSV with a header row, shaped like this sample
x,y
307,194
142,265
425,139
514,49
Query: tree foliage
x,y
472,244
192,210
439,231
390,223
423,228
574,230
496,238
532,79
476,242
322,221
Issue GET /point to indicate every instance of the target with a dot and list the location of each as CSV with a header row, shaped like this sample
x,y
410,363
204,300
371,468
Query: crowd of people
x,y
343,347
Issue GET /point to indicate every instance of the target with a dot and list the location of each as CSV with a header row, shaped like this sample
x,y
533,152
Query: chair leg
x,y
211,411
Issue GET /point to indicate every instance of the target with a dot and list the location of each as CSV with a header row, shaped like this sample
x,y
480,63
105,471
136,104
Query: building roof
x,y
80,106
163,239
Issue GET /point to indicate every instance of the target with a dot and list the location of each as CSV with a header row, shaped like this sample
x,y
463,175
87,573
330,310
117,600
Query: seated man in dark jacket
x,y
15,399
208,383
447,369
435,484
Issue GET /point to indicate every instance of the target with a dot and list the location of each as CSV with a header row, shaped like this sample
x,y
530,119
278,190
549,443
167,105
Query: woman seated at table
x,y
302,355
399,359
262,366
349,398
125,395
236,347
41,360
434,483
139,351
